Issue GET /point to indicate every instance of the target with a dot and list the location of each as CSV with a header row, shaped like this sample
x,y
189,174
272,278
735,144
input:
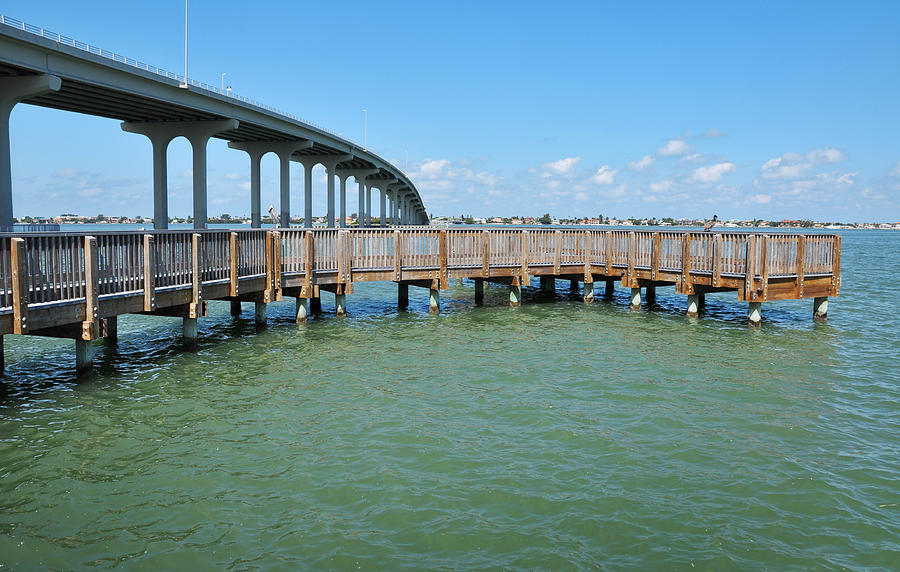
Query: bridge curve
x,y
47,69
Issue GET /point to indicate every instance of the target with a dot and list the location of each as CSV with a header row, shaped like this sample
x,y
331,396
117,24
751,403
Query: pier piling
x,y
83,358
651,295
635,298
515,295
820,309
189,334
112,330
610,289
479,291
693,305
402,295
340,304
434,301
259,313
302,310
235,308
754,314
588,292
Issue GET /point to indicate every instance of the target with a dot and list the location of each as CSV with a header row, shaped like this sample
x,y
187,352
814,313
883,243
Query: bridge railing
x,y
54,267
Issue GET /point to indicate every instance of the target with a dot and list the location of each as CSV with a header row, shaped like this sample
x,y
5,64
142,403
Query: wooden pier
x,y
74,285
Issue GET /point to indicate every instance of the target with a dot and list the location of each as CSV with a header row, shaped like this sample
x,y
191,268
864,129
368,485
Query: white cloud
x,y
604,175
896,170
581,196
792,166
641,164
760,198
563,166
233,176
430,169
712,173
661,186
712,133
675,147
68,173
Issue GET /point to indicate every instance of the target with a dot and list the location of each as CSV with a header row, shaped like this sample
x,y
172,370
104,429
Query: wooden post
x,y
270,292
398,261
434,301
111,333
836,266
442,259
196,309
687,284
717,260
234,257
631,279
588,277
525,254
801,262
557,251
19,285
341,257
149,274
764,271
308,263
402,295
485,253
90,327
609,252
276,264
655,249
749,269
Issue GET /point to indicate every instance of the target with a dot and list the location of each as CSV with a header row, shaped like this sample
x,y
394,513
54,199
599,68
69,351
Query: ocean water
x,y
556,435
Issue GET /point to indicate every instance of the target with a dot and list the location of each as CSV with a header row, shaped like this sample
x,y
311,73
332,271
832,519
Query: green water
x,y
554,436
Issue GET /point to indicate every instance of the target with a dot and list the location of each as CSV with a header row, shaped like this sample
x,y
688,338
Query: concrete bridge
x,y
44,68
73,285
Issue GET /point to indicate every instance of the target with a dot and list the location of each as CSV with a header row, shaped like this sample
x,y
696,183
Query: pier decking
x,y
74,285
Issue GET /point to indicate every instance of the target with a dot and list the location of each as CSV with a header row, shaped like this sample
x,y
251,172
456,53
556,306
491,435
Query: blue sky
x,y
763,110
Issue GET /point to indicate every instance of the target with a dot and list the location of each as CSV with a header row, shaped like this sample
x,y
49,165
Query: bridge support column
x,y
479,291
754,314
610,289
434,301
635,298
588,292
651,294
307,195
284,150
548,284
14,89
343,209
112,330
340,304
368,216
329,216
302,310
383,218
402,295
259,314
693,305
189,334
515,295
84,362
820,309
235,308
198,134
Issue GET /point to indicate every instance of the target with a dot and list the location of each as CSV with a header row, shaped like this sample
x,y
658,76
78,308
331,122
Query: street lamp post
x,y
365,130
223,82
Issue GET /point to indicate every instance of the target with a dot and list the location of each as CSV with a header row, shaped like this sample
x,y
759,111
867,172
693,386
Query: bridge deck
x,y
65,279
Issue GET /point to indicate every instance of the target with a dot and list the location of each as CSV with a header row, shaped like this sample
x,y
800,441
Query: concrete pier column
x,y
160,144
83,358
343,201
479,291
329,218
610,289
255,184
259,313
402,295
434,301
235,308
307,194
198,134
820,309
754,314
635,298
693,305
14,89
361,202
588,292
368,216
383,219
340,304
189,334
651,294
284,190
112,330
515,296
548,284
302,310
284,150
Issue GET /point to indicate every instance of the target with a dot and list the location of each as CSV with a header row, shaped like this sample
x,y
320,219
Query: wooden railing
x,y
57,268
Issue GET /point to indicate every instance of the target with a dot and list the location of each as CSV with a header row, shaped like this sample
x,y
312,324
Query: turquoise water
x,y
557,435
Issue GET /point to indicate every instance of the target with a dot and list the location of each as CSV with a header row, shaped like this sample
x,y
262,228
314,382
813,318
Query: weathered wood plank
x,y
19,265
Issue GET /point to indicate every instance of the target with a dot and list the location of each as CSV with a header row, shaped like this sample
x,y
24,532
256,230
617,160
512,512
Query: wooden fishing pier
x,y
75,285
